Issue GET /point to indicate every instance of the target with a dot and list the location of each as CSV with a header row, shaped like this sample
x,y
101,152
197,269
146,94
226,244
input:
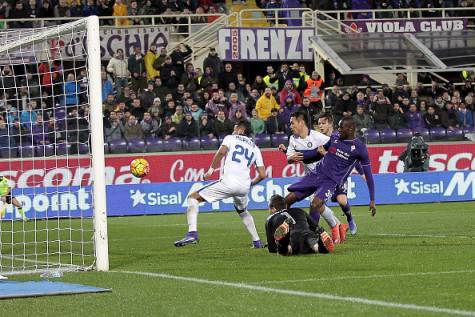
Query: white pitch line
x,y
363,277
421,235
350,299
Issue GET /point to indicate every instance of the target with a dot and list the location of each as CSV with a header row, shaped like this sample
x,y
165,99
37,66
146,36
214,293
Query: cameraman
x,y
416,156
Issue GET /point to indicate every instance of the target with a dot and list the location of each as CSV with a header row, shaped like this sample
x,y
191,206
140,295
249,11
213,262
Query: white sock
x,y
330,217
248,221
192,214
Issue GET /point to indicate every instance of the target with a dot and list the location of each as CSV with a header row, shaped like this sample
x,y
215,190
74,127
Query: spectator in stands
x,y
345,107
215,104
265,104
19,133
133,130
77,129
160,59
115,129
396,118
46,11
32,10
168,73
363,121
222,125
285,111
150,126
381,110
274,124
53,133
188,128
133,10
313,89
90,8
189,78
284,75
289,90
311,110
19,12
149,61
259,84
109,104
236,105
160,90
258,125
209,78
137,110
71,91
227,76
107,87
119,10
168,129
196,112
62,10
251,101
8,82
232,89
213,61
148,95
206,126
105,9
414,118
431,118
38,130
118,67
272,16
179,55
178,115
136,66
464,116
449,116
6,140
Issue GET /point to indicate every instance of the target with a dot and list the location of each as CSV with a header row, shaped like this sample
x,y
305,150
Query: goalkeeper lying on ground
x,y
7,198
292,231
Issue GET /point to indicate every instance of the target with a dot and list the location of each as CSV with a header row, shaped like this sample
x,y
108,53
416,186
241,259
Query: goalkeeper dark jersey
x,y
302,233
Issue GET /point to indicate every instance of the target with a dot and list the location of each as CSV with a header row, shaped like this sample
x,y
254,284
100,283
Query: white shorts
x,y
220,189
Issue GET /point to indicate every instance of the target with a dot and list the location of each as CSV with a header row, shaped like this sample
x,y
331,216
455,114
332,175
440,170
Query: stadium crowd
x,y
159,95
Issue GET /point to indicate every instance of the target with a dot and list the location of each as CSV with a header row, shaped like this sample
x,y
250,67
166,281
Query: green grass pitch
x,y
394,259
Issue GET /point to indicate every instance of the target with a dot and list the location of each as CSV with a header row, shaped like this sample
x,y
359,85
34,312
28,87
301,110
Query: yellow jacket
x,y
120,10
264,105
149,59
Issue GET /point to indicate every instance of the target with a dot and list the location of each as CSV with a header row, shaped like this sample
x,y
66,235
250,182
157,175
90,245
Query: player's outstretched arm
x,y
370,183
261,174
223,149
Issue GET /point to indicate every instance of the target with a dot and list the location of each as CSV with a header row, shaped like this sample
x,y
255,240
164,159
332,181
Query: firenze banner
x,y
265,44
111,40
166,198
405,26
190,166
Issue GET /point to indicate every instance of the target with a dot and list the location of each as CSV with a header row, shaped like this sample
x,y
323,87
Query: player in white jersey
x,y
241,153
305,139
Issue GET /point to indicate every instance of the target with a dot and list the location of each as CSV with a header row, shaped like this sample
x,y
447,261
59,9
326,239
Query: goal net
x,y
52,150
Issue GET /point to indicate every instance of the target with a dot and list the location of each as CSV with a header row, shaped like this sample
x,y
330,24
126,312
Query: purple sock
x,y
347,211
315,215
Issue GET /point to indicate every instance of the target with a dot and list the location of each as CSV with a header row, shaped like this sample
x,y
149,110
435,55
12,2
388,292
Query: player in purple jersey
x,y
325,125
344,151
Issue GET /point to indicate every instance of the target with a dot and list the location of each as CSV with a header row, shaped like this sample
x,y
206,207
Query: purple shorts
x,y
340,190
322,186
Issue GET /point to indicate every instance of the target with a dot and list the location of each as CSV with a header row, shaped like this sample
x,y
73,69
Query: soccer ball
x,y
139,167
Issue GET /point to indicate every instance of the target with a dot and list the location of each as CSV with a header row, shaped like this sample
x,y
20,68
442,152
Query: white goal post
x,y
51,128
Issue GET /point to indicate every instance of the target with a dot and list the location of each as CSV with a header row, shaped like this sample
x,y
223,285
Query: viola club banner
x,y
265,44
166,198
190,166
405,26
111,40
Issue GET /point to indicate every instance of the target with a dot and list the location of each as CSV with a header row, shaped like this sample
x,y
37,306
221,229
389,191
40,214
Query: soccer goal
x,y
52,149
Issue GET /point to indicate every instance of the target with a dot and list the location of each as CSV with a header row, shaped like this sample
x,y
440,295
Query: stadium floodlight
x,y
52,149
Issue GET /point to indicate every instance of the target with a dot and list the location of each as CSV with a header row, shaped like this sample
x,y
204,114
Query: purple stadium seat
x,y
209,143
27,151
154,144
388,136
192,145
59,114
136,146
83,148
469,133
45,150
371,136
172,144
404,135
118,146
277,139
8,152
455,135
437,134
468,130
423,132
263,140
62,148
